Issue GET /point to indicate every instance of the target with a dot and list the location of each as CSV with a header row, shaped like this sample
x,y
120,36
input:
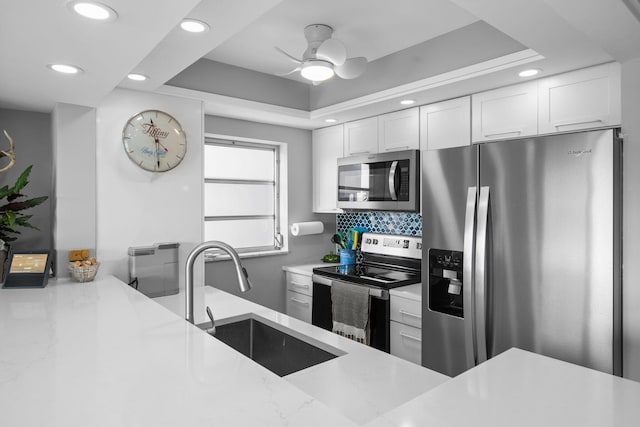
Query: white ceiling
x,y
369,28
567,34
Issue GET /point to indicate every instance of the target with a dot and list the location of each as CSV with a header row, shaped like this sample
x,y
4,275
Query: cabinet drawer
x,y
406,311
299,283
299,306
406,342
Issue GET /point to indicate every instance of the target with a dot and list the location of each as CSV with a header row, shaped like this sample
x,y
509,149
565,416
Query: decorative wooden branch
x,y
10,154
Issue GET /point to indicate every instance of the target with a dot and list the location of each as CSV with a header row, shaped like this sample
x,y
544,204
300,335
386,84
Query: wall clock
x,y
154,141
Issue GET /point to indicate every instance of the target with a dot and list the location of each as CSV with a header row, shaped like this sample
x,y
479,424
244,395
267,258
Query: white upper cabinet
x,y
399,131
580,99
327,148
361,137
445,124
508,112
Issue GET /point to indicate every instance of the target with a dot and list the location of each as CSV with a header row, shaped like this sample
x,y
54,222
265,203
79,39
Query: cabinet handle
x,y
582,122
396,148
299,301
300,285
411,337
406,313
489,135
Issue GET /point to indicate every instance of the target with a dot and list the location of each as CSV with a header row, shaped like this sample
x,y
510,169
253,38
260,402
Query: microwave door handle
x,y
392,180
467,286
481,290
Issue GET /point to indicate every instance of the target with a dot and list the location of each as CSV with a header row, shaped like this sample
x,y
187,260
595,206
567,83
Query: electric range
x,y
388,261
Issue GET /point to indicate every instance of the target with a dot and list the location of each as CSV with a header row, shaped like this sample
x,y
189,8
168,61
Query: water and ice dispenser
x,y
445,282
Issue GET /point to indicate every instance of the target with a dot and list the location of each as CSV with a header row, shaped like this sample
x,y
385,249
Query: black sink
x,y
272,347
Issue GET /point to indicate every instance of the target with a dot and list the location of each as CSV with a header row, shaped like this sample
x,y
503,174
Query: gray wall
x,y
266,272
223,79
31,133
631,220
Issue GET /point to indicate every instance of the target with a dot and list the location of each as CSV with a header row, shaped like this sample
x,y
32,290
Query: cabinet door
x,y
580,99
445,124
327,148
399,131
508,112
361,137
405,342
406,311
299,283
299,306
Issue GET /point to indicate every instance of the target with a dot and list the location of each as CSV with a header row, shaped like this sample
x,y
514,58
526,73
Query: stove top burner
x,y
370,275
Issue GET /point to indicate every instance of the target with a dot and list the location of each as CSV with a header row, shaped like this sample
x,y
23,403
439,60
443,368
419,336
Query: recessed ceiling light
x,y
65,68
330,120
92,10
529,73
194,26
407,101
137,77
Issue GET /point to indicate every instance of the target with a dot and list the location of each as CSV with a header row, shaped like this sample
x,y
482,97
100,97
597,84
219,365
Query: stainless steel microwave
x,y
385,181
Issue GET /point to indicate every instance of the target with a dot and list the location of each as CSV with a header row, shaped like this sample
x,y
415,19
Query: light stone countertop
x,y
412,292
306,269
102,354
519,388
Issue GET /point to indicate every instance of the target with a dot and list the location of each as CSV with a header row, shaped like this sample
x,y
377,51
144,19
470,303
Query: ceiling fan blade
x,y
291,57
290,72
352,68
333,51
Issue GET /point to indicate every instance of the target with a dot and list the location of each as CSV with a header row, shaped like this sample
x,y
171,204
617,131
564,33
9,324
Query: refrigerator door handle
x,y
392,180
480,274
467,271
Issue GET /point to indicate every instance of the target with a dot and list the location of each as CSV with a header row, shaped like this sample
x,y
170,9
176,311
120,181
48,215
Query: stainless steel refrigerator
x,y
522,248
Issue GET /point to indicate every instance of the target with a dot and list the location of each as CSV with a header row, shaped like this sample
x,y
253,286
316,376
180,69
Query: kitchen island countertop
x,y
102,354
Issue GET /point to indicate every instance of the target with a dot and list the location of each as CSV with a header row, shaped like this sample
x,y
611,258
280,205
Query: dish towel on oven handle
x,y
350,310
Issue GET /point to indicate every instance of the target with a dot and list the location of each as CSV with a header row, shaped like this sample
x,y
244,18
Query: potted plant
x,y
12,216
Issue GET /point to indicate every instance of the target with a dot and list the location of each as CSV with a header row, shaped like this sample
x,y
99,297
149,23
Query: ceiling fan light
x,y
316,70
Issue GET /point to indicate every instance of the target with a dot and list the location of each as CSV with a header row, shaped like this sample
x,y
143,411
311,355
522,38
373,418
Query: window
x,y
243,201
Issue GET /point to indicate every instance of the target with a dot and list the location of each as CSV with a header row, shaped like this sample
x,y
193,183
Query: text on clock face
x,y
154,131
154,153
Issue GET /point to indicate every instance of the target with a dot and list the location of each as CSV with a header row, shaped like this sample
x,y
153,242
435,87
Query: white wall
x,y
631,221
139,208
74,162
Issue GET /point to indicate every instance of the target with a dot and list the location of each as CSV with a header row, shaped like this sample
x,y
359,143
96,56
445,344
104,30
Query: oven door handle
x,y
373,291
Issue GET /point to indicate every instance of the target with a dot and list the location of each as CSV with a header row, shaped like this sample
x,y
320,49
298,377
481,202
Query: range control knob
x,y
368,241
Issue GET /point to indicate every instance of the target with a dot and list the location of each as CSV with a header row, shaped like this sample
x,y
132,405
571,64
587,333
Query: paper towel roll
x,y
305,228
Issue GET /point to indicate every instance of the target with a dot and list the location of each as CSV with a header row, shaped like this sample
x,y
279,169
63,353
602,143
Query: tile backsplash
x,y
404,223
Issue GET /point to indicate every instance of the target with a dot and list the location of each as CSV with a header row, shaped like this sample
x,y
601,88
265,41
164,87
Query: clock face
x,y
154,141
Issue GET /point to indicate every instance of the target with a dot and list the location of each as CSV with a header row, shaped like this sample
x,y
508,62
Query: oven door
x,y
321,311
386,181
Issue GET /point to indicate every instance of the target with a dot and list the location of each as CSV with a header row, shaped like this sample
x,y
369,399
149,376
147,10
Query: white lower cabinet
x,y
406,328
299,306
406,342
299,296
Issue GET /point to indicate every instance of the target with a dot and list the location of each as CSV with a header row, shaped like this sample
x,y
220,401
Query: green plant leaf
x,y
22,181
11,216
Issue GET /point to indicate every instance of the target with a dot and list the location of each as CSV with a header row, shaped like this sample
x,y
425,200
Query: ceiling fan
x,y
325,57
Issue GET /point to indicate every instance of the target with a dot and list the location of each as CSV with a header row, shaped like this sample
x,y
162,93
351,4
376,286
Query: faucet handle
x,y
212,329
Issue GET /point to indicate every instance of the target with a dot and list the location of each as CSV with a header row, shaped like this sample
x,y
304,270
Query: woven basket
x,y
83,273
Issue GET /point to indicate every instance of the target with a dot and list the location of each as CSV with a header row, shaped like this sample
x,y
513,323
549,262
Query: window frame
x,y
280,195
